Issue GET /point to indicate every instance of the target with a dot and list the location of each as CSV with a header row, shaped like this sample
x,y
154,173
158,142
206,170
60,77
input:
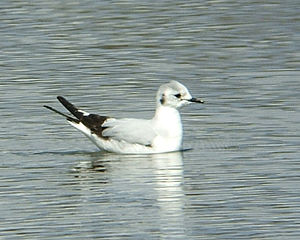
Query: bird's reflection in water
x,y
133,181
83,166
169,180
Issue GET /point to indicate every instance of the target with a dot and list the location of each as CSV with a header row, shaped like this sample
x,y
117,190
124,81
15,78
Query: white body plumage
x,y
162,133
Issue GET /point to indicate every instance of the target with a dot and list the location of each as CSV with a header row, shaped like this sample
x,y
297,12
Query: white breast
x,y
168,127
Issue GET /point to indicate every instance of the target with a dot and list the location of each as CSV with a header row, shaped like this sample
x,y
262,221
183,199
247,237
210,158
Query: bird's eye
x,y
178,95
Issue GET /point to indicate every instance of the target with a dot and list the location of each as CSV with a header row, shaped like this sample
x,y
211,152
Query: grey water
x,y
240,177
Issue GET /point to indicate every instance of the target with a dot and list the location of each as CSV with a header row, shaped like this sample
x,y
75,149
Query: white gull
x,y
162,133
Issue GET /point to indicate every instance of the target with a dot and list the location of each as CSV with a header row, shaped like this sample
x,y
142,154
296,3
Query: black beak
x,y
196,100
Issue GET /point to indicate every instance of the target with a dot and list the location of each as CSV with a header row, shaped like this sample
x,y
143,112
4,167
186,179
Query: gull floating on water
x,y
162,133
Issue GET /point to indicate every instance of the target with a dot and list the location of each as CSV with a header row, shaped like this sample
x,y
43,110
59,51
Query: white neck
x,y
163,112
168,120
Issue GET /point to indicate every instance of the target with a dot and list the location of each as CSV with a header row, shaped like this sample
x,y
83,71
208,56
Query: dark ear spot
x,y
162,100
178,95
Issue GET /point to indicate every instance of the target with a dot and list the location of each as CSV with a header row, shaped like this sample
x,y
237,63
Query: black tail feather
x,y
69,118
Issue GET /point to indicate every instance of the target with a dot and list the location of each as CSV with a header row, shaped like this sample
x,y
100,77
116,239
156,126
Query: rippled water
x,y
240,180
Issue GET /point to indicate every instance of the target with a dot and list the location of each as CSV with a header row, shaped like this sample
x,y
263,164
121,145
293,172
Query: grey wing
x,y
130,130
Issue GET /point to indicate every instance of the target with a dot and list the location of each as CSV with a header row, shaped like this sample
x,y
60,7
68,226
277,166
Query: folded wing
x,y
130,130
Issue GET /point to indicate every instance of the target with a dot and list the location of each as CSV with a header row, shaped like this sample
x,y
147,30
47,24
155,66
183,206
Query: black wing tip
x,y
92,121
62,114
61,99
71,108
51,108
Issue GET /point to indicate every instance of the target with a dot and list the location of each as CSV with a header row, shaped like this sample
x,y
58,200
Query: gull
x,y
162,133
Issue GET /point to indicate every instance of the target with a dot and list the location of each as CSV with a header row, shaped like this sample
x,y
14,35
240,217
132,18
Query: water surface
x,y
240,180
